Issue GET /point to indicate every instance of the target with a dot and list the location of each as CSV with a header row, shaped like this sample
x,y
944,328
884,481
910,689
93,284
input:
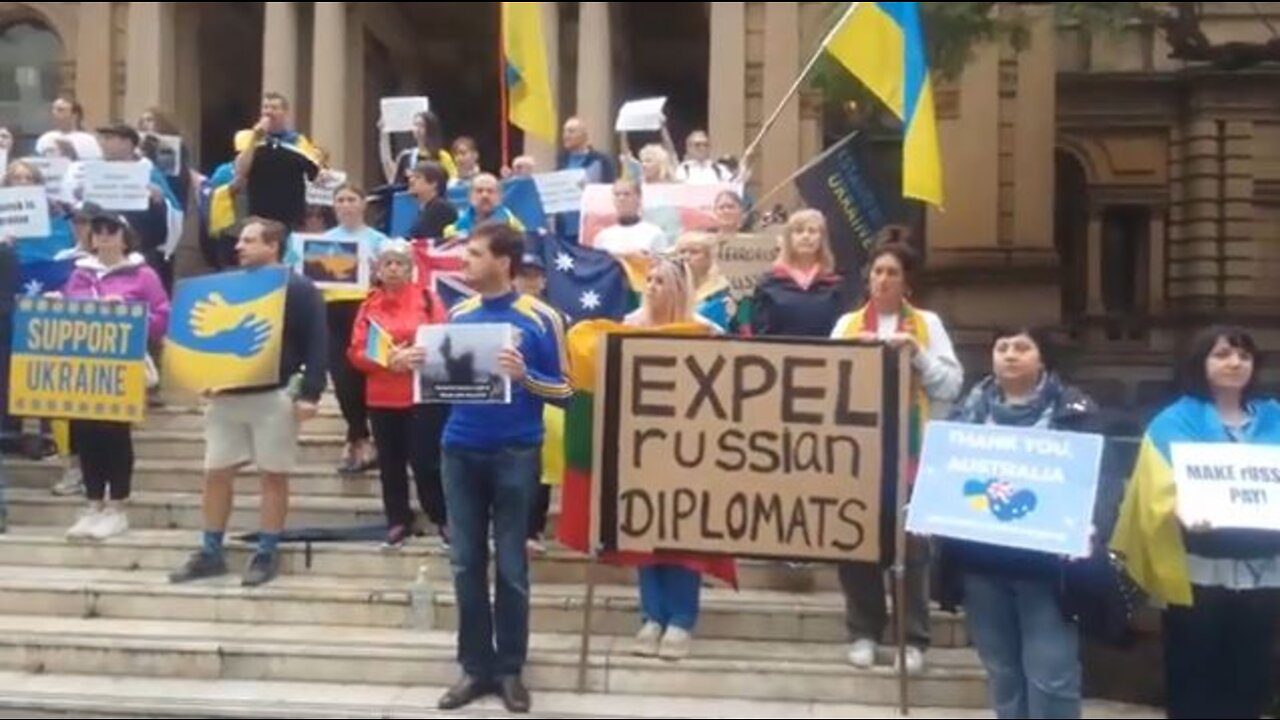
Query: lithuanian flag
x,y
585,351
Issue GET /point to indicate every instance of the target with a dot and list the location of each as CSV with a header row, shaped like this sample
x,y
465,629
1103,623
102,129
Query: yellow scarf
x,y
867,320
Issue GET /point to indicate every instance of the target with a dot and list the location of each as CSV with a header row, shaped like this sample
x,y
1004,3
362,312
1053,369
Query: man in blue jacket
x,y
491,465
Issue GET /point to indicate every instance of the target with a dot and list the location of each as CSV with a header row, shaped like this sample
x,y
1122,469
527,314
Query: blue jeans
x,y
482,490
670,596
1030,650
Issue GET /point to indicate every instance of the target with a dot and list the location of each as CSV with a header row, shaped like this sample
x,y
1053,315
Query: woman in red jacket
x,y
382,347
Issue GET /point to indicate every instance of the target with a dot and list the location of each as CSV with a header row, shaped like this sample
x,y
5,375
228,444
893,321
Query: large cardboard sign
x,y
751,448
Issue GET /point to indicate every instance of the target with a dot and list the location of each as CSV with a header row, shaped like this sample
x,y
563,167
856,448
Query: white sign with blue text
x,y
1012,487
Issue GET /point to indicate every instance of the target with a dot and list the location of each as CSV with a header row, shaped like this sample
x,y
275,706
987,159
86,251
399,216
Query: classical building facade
x,y
1093,183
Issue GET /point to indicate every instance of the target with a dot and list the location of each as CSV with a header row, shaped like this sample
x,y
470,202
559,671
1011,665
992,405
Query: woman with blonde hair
x,y
670,583
802,296
713,299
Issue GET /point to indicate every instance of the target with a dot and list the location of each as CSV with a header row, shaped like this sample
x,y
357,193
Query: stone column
x,y
595,73
329,108
280,49
542,151
1157,263
781,155
727,81
94,76
1093,262
151,63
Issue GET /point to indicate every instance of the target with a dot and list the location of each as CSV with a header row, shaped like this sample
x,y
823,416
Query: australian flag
x,y
584,283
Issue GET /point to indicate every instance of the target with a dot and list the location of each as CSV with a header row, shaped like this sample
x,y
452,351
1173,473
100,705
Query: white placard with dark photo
x,y
169,155
461,365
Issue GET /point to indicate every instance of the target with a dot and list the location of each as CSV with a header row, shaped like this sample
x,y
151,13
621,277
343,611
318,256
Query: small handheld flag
x,y
378,347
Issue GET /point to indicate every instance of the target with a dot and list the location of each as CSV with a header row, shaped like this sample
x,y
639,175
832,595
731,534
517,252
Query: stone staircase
x,y
337,616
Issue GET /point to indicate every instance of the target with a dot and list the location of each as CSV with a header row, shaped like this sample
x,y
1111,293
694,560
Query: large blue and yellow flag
x,y
226,331
882,44
1148,535
524,50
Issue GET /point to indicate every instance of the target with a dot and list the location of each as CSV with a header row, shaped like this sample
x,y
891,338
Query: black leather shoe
x,y
467,691
515,696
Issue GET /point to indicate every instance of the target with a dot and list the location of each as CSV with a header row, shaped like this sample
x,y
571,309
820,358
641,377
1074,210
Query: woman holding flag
x,y
1219,588
383,348
936,382
670,583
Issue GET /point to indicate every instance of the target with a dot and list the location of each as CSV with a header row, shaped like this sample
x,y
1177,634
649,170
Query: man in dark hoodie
x,y
261,425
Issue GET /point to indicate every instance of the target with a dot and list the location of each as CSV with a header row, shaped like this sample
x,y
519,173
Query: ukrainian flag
x,y
882,44
378,347
524,50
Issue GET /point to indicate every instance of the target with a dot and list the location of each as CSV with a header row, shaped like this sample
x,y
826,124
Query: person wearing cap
x,y
406,435
114,273
159,227
532,281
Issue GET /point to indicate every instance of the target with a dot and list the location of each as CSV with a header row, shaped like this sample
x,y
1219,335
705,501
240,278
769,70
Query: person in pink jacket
x,y
114,272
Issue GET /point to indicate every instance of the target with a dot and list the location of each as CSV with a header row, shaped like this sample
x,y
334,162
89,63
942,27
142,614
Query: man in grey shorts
x,y
260,425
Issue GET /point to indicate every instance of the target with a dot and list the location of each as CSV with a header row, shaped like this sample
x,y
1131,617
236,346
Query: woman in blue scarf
x,y
1013,598
1220,589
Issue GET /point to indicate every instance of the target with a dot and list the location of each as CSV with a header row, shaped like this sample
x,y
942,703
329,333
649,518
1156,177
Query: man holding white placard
x,y
1220,586
139,191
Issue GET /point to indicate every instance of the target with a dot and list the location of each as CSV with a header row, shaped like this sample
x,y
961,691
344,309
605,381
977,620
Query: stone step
x,y
336,654
153,510
88,696
187,476
159,551
318,600
189,419
313,449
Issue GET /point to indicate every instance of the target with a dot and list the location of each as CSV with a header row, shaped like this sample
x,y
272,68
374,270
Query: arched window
x,y
30,77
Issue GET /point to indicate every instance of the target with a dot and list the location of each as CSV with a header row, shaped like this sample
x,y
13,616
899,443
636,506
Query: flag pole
x,y
502,85
795,87
805,168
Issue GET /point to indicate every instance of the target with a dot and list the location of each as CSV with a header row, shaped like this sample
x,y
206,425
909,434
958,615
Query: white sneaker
x,y
84,527
72,482
863,654
111,523
676,644
915,661
648,641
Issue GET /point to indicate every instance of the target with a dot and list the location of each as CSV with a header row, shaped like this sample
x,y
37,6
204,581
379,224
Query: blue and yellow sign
x,y
226,331
82,360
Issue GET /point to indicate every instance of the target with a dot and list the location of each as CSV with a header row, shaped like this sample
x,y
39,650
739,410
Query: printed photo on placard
x,y
462,365
332,263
